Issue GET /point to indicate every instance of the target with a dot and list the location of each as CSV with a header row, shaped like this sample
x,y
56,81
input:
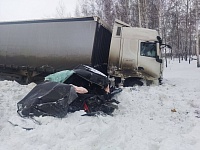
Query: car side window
x,y
148,49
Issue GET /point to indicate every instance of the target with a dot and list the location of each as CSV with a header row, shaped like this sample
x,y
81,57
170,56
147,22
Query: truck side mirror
x,y
158,56
159,39
158,50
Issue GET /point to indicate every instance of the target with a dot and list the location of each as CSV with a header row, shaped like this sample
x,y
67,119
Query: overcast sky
x,y
33,9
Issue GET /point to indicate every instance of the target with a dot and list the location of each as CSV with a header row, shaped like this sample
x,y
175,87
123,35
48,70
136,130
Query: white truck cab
x,y
134,54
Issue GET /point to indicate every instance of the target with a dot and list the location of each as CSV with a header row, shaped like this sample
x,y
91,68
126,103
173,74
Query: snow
x,y
161,117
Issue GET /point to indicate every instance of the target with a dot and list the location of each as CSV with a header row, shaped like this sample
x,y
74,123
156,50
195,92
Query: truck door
x,y
147,63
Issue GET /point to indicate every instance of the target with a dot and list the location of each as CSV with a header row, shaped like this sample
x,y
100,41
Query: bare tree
x,y
139,14
190,27
134,13
108,11
146,18
160,16
77,11
143,17
186,30
61,10
92,8
85,8
197,33
122,10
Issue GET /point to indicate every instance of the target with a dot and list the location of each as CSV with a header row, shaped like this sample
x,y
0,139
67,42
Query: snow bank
x,y
149,118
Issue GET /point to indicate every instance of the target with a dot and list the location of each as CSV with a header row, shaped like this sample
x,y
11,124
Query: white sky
x,y
33,9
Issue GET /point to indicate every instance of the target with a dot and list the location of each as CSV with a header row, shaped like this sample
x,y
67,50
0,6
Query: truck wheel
x,y
130,82
160,81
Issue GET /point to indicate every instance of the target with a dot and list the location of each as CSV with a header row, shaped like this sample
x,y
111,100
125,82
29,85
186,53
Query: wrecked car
x,y
83,88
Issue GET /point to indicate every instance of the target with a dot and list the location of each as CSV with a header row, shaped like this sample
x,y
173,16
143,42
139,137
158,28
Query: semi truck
x,y
30,50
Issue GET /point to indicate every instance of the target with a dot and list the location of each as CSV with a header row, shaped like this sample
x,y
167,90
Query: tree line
x,y
177,21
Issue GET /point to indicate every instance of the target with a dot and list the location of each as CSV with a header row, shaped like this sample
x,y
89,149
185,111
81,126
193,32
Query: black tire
x,y
160,81
130,82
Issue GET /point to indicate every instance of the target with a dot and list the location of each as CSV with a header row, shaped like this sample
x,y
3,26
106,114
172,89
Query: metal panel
x,y
59,44
101,48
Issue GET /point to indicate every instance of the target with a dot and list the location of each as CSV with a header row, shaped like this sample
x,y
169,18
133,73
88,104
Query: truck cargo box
x,y
52,45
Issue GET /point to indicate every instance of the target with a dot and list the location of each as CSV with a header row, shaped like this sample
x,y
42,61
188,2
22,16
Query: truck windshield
x,y
148,49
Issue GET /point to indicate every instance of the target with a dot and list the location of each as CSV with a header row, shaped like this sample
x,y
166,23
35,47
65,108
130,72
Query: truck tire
x,y
130,82
160,81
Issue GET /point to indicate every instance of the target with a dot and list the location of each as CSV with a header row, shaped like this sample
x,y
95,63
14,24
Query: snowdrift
x,y
164,117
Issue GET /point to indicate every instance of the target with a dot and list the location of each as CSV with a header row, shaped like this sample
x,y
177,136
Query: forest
x,y
177,21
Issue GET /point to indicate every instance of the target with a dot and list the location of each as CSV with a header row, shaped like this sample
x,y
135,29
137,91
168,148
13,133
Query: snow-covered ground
x,y
149,118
